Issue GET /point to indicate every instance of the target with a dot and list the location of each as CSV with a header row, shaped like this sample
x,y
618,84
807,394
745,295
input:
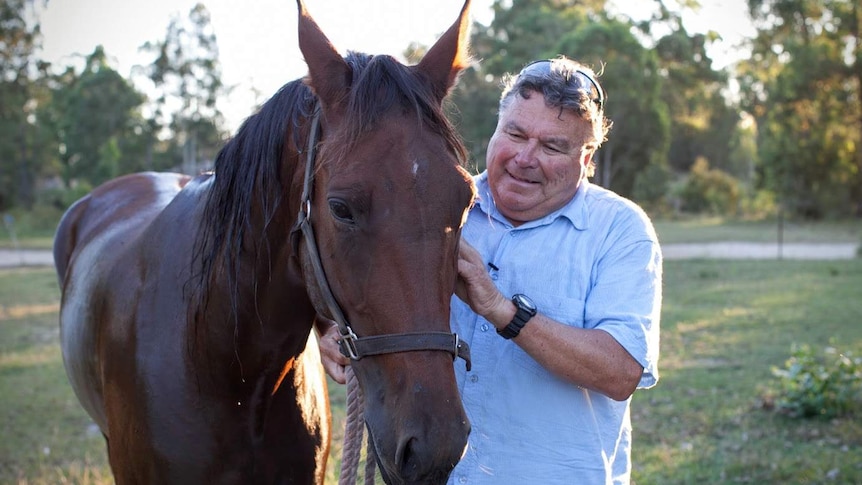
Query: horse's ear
x,y
449,55
328,75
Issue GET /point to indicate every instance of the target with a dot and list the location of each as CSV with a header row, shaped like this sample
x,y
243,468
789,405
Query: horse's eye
x,y
340,211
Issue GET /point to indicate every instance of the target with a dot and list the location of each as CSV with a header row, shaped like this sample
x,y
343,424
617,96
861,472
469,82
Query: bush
x,y
651,188
759,206
710,191
824,386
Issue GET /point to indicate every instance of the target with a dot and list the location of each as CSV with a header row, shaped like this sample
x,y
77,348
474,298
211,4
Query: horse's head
x,y
386,205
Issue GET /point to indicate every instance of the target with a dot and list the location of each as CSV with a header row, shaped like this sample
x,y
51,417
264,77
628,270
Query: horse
x,y
188,303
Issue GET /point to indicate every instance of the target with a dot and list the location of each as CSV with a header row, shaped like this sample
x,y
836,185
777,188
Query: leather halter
x,y
352,345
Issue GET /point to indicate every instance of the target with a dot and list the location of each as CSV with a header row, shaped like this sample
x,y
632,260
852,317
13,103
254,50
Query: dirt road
x,y
10,258
745,250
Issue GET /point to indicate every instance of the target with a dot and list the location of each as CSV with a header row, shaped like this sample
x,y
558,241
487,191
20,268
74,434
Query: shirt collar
x,y
575,211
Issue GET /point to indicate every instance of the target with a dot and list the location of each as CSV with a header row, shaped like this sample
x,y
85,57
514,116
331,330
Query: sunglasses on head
x,y
581,79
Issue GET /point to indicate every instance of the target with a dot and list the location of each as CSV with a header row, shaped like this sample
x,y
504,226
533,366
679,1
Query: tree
x,y
24,153
803,85
641,132
710,190
186,73
701,120
96,117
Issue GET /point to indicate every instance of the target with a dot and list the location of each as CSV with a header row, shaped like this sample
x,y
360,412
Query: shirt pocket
x,y
568,311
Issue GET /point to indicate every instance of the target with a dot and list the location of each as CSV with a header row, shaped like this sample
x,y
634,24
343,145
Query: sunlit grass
x,y
725,325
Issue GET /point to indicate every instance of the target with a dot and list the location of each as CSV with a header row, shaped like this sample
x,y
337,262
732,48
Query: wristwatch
x,y
526,311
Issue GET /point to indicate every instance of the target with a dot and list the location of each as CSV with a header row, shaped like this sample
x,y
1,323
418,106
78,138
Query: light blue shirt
x,y
595,263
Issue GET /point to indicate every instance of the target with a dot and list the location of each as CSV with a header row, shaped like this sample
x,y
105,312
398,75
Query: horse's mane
x,y
246,175
247,172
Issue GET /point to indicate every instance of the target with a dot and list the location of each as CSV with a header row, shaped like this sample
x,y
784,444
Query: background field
x,y
715,229
725,325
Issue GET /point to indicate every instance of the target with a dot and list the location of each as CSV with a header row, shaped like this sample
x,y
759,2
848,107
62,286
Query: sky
x,y
257,38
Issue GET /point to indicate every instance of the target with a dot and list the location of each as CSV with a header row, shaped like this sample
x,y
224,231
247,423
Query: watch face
x,y
522,301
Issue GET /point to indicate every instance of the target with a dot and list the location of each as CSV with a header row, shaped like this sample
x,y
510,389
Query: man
x,y
559,295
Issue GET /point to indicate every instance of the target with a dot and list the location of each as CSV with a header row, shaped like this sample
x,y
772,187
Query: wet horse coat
x,y
188,303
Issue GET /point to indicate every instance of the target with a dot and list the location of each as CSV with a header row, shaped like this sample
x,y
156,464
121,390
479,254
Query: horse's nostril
x,y
420,465
407,459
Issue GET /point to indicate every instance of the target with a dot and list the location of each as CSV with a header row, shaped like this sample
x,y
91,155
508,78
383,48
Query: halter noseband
x,y
352,345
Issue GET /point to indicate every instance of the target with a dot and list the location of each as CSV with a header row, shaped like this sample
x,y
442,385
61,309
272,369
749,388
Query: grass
x,y
716,229
47,436
725,325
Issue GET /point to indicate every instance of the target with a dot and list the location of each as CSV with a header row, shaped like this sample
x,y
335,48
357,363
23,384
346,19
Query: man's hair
x,y
565,84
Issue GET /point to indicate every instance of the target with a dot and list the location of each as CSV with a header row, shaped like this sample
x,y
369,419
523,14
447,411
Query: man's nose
x,y
528,155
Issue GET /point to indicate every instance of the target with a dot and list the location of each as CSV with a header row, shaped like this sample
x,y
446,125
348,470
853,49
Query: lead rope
x,y
370,461
354,427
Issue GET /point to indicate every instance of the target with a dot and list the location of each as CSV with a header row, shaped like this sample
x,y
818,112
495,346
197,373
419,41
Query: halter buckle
x,y
347,342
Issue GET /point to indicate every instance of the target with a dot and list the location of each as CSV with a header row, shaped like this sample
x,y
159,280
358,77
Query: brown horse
x,y
188,303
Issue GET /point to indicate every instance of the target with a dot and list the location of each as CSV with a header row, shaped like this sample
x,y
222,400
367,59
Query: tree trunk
x,y
25,177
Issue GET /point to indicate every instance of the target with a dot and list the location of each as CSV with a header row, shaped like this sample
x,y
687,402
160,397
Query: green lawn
x,y
715,229
725,325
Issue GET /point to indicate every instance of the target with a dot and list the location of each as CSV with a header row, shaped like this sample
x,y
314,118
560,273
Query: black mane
x,y
246,175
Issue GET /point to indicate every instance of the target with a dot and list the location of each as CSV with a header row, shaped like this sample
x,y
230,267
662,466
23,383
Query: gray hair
x,y
565,84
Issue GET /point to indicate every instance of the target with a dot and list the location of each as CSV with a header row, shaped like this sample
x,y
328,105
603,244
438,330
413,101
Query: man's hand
x,y
334,362
477,289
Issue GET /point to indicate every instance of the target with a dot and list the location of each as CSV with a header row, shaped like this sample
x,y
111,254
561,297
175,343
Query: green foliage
x,y
824,386
96,115
710,191
651,188
640,135
803,85
760,205
25,153
702,122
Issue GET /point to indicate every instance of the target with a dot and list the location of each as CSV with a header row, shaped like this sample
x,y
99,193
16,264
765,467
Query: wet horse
x,y
188,303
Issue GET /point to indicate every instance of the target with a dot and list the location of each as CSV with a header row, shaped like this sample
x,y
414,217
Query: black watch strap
x,y
525,311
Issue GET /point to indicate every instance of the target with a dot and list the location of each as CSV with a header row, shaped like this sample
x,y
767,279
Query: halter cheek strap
x,y
352,345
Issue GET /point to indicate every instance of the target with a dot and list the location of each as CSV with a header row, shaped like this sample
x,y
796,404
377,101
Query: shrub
x,y
826,386
710,191
651,187
759,206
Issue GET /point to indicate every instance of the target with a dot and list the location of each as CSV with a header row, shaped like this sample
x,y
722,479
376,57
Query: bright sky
x,y
257,38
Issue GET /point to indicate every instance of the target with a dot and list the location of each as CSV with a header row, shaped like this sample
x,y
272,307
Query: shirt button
x,y
494,276
474,378
462,479
484,327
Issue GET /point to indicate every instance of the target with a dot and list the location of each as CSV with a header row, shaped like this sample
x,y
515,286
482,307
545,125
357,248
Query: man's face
x,y
536,158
